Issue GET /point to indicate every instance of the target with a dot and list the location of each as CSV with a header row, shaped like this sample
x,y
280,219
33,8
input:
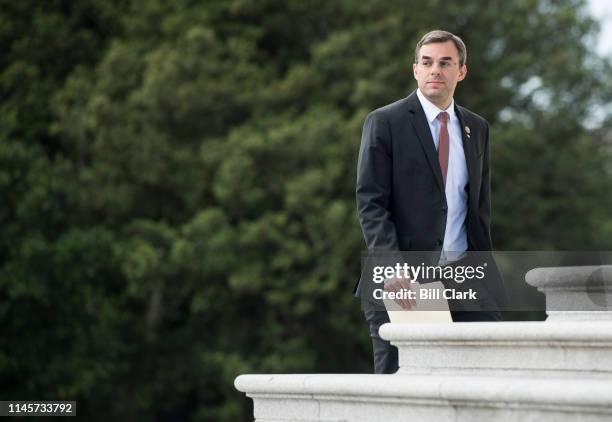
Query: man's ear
x,y
414,71
462,73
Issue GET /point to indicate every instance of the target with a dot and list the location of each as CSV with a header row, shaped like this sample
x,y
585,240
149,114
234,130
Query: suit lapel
x,y
421,127
471,160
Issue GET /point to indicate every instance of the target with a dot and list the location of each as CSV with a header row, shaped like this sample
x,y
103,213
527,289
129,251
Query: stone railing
x,y
557,370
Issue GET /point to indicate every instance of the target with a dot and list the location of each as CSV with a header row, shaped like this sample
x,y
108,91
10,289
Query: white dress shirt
x,y
455,236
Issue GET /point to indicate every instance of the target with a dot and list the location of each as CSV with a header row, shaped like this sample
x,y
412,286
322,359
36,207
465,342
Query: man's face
x,y
438,71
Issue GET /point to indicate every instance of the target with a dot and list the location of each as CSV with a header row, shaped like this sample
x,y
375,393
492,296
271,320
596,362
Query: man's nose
x,y
435,68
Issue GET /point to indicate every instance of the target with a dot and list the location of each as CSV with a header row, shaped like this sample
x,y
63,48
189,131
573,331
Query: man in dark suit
x,y
423,179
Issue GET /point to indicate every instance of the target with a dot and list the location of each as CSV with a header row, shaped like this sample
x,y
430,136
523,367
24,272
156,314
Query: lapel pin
x,y
467,131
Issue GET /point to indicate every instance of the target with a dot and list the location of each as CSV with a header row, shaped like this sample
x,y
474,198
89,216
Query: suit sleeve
x,y
484,206
374,185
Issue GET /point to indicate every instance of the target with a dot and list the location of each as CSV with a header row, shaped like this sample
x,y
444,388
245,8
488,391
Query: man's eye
x,y
426,63
444,64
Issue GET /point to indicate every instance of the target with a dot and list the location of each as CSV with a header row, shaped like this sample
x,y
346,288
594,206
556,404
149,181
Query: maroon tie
x,y
443,144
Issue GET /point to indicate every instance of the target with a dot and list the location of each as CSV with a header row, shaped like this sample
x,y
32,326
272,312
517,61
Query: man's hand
x,y
397,285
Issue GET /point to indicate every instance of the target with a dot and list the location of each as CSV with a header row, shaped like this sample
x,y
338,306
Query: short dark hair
x,y
442,36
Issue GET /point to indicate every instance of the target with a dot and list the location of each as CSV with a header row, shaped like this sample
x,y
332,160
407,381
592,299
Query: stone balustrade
x,y
557,370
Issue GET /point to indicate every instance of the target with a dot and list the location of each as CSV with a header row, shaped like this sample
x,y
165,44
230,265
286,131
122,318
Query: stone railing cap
x,y
466,388
515,332
566,277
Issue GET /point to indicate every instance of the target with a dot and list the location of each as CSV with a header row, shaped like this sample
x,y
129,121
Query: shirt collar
x,y
431,110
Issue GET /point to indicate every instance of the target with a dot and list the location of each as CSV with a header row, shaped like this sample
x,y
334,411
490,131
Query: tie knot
x,y
443,117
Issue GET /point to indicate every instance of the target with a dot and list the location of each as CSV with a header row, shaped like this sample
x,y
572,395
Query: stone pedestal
x,y
575,293
557,370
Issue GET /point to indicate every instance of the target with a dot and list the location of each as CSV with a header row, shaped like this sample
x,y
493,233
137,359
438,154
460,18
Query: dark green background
x,y
177,181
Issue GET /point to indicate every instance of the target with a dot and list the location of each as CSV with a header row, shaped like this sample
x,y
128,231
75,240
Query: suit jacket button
x,y
440,242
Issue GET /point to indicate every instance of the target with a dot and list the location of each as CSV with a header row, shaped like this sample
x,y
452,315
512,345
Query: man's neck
x,y
441,104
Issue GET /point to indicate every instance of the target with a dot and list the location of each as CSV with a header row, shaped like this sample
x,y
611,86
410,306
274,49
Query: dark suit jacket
x,y
400,193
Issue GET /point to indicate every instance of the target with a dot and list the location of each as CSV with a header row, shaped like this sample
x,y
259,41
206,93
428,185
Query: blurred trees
x,y
178,180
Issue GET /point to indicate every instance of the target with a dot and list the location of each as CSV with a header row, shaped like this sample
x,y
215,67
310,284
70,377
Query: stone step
x,y
414,398
563,349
